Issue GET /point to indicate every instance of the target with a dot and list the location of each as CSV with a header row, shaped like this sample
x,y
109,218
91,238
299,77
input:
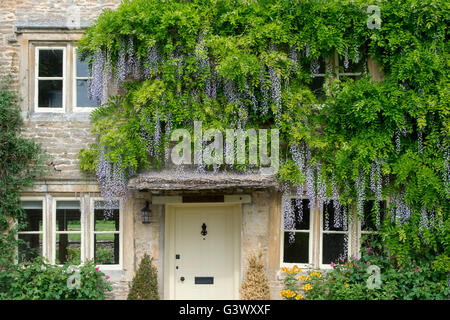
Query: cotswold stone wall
x,y
62,135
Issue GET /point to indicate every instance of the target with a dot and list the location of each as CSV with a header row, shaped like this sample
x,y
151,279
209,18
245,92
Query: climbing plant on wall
x,y
250,64
21,163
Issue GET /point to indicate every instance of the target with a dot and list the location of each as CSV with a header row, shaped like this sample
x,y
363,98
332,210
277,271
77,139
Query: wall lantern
x,y
146,213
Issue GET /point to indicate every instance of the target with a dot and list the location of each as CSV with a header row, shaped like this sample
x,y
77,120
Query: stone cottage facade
x,y
201,229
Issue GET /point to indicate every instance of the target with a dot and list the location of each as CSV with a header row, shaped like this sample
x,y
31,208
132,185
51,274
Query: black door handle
x,y
182,278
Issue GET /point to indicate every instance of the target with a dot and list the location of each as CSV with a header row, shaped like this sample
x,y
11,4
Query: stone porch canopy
x,y
172,180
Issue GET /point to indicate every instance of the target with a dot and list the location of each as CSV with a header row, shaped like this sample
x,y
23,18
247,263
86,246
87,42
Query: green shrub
x,y
104,256
145,283
38,280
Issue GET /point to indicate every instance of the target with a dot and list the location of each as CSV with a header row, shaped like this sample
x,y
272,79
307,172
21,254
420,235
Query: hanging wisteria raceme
x,y
96,89
131,57
346,62
419,142
404,128
137,71
321,187
146,140
376,186
402,212
360,186
310,189
314,67
344,218
309,175
397,141
298,157
329,68
212,84
423,223
112,181
356,50
251,96
121,66
288,211
337,219
230,92
157,135
201,54
275,81
376,179
152,62
264,90
167,133
108,77
293,54
299,202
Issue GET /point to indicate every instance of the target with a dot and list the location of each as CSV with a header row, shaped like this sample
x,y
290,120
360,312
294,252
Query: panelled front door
x,y
204,246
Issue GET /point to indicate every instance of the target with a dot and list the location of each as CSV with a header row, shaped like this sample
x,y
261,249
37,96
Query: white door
x,y
205,256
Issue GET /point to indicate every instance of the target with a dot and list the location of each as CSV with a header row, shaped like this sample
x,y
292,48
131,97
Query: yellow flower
x,y
346,285
299,296
301,278
307,287
309,278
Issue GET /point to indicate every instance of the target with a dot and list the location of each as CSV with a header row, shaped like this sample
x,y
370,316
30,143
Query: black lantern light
x,y
146,213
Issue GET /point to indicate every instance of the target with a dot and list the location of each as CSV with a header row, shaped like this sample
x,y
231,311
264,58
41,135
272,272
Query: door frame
x,y
169,244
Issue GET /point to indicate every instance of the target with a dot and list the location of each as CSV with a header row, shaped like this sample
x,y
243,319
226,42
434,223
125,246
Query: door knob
x,y
182,278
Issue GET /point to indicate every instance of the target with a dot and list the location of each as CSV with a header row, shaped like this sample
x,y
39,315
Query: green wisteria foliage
x,y
253,64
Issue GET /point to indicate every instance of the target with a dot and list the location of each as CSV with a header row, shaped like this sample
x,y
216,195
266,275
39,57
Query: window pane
x,y
32,248
68,216
106,248
82,68
298,251
50,93
33,219
320,68
51,63
303,223
316,87
335,220
83,94
68,248
106,219
369,221
333,247
352,66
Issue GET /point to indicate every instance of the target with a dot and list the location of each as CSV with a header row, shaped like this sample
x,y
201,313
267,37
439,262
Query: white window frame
x,y
44,225
92,232
37,78
310,244
321,232
81,232
75,77
344,74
